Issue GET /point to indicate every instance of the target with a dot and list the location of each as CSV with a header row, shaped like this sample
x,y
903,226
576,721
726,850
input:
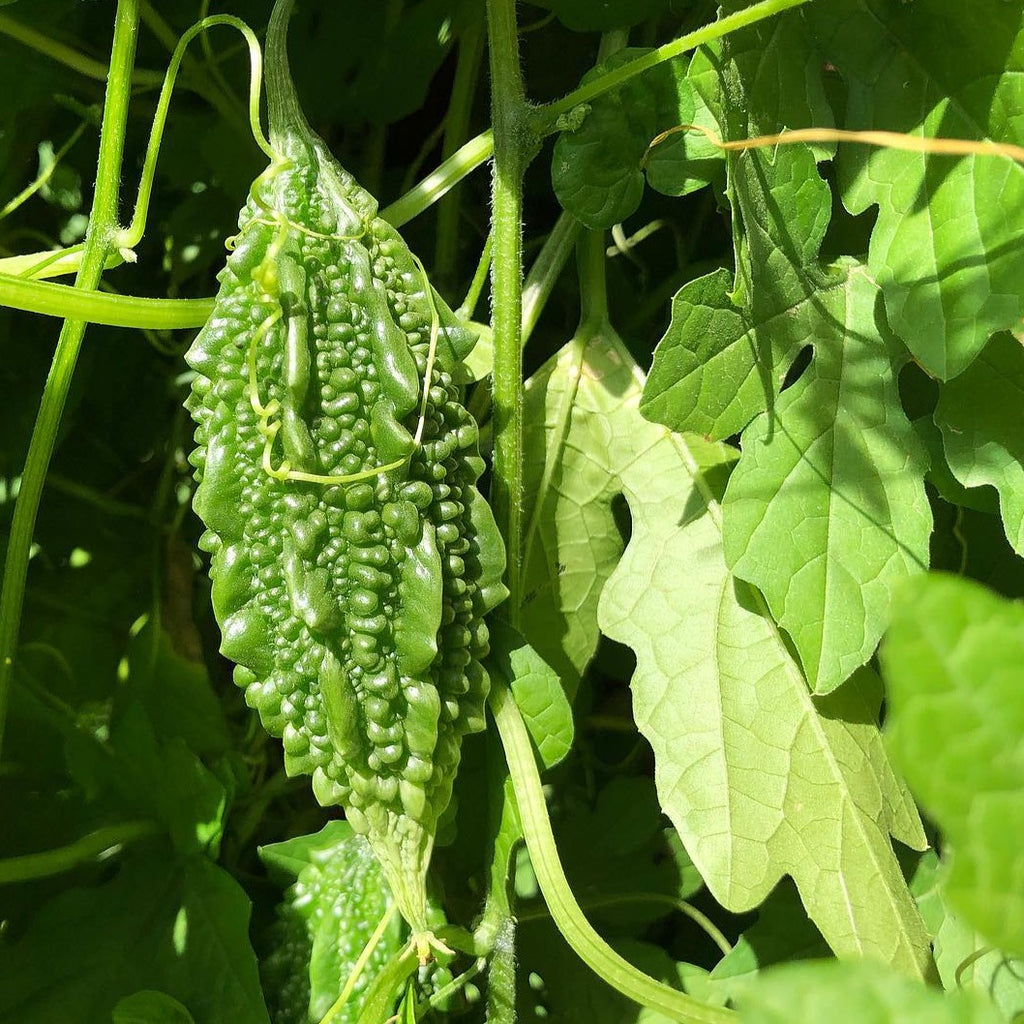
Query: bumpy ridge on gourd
x,y
354,610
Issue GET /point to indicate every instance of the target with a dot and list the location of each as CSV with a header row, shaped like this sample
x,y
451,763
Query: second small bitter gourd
x,y
353,558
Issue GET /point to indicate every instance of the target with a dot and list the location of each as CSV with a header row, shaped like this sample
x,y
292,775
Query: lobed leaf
x,y
944,248
864,992
759,778
963,957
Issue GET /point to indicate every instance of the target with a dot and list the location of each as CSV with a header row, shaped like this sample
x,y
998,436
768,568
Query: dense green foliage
x,y
268,730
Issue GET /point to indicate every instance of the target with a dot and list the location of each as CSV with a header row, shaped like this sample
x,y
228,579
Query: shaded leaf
x,y
827,508
781,934
601,15
176,926
150,1007
596,168
952,660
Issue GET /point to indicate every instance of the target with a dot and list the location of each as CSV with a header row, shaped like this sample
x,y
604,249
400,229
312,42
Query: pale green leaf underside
x,y
576,444
864,993
981,414
759,777
827,507
945,247
952,661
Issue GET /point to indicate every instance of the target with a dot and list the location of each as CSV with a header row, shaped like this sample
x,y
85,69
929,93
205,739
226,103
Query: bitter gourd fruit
x,y
353,557
324,922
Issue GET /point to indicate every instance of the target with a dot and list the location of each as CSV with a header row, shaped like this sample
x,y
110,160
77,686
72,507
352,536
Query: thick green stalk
x,y
508,116
544,118
98,242
565,911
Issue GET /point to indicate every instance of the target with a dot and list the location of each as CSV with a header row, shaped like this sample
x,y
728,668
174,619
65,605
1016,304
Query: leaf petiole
x,y
565,911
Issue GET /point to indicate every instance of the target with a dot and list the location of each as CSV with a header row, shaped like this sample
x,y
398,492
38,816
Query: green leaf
x,y
981,415
176,692
149,1007
561,987
710,375
963,958
286,859
574,449
176,926
940,476
944,248
538,693
867,993
955,728
759,778
827,508
625,868
596,169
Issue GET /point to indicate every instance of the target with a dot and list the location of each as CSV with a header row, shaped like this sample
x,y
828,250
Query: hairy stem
x,y
98,242
501,976
508,116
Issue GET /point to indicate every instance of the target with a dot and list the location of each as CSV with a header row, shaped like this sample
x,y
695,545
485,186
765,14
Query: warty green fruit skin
x,y
354,611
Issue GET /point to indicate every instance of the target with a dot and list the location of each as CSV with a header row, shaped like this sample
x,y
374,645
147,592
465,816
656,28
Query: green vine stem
x,y
64,858
132,235
445,177
98,242
565,911
501,976
456,128
544,119
96,307
508,117
204,80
